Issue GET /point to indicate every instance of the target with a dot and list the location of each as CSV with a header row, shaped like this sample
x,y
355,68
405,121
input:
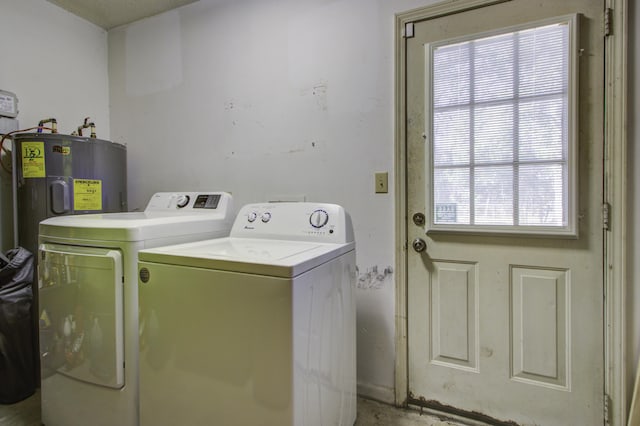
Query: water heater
x,y
60,174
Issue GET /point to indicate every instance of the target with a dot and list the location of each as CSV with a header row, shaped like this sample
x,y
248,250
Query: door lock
x,y
419,245
418,219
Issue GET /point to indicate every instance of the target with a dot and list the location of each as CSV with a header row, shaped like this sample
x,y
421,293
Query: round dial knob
x,y
182,201
319,218
252,216
266,217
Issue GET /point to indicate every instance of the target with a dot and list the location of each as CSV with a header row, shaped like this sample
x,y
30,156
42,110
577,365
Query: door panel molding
x,y
540,332
615,279
454,315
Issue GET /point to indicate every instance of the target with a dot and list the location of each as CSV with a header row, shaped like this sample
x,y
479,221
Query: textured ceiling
x,y
112,13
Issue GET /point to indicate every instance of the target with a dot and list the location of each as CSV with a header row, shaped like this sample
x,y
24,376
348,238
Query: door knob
x,y
419,245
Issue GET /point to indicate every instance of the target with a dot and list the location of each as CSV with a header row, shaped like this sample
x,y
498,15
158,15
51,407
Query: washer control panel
x,y
189,202
294,221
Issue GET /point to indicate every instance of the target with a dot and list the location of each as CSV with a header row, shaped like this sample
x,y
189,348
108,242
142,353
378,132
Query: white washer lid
x,y
279,258
134,226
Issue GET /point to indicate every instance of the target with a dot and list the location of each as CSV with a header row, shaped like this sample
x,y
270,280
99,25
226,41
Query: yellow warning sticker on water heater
x,y
87,194
33,160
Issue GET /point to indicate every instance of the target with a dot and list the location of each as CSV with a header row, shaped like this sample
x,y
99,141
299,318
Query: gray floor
x,y
370,413
23,413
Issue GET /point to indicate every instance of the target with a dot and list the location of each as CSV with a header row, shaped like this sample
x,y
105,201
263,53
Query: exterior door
x,y
505,303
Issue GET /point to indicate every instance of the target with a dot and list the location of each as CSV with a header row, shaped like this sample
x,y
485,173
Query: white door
x,y
504,160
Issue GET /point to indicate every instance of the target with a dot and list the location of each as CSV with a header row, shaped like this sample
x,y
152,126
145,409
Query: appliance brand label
x,y
144,275
33,160
64,150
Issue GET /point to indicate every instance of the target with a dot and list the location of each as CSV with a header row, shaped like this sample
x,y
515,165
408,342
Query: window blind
x,y
500,129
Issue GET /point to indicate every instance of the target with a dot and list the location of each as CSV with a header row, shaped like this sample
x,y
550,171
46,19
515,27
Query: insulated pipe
x,y
54,125
85,125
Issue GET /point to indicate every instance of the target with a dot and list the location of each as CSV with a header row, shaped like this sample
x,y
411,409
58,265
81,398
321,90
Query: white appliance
x,y
87,277
254,329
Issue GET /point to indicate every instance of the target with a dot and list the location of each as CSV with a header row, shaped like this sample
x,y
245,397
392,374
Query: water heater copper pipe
x,y
54,125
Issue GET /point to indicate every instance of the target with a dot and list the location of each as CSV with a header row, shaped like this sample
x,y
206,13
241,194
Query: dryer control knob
x,y
252,216
266,217
319,218
182,201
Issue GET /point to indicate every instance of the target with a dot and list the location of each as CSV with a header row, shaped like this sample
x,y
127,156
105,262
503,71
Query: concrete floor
x,y
370,413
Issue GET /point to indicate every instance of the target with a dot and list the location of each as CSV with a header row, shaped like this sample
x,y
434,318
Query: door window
x,y
502,130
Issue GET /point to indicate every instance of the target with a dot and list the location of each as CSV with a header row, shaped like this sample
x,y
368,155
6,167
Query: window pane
x,y
451,137
494,134
494,196
542,134
543,49
451,196
451,76
494,68
541,195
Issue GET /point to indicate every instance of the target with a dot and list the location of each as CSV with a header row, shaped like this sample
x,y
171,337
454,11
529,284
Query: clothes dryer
x,y
254,329
88,310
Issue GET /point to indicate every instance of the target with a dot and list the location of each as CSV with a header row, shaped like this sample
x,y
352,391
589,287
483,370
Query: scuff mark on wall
x,y
233,104
295,151
319,93
371,279
301,149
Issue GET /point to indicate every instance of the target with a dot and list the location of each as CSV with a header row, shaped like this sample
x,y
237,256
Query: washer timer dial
x,y
182,201
319,218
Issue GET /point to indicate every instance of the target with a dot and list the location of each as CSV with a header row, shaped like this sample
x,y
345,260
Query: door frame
x,y
615,197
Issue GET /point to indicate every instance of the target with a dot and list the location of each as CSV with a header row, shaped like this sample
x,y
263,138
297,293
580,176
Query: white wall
x,y
272,98
56,63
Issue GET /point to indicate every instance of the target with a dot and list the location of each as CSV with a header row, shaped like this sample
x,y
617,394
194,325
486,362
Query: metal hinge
x,y
606,218
408,30
607,409
608,22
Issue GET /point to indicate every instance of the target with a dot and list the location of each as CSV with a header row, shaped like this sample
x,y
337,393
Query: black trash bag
x,y
16,326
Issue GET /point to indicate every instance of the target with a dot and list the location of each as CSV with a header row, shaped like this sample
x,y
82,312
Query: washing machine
x,y
88,312
254,329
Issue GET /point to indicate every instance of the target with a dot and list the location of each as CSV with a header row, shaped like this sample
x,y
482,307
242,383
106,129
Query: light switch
x,y
382,182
